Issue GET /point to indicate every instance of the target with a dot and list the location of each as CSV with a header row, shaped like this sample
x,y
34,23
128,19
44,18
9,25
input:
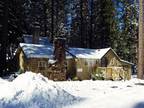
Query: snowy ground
x,y
31,90
107,94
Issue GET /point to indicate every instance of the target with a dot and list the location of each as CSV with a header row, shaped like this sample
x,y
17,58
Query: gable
x,y
114,59
111,59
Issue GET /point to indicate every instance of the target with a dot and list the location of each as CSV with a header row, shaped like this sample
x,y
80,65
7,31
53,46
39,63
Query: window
x,y
42,65
104,62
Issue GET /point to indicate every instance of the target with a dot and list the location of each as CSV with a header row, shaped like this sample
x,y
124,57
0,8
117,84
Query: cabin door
x,y
109,73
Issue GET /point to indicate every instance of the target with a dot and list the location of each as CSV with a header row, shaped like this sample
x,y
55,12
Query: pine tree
x,y
56,17
127,35
94,24
11,30
75,36
104,23
4,37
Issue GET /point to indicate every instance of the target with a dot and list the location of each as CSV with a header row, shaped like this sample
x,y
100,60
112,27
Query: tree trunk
x,y
4,39
141,40
52,20
91,27
81,24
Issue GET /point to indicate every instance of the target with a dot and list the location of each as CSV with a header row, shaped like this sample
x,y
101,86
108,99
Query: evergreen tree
x,y
75,32
34,11
11,30
94,23
56,17
4,36
127,36
104,23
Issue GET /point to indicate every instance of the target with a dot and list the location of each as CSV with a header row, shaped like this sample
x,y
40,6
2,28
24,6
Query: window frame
x,y
42,65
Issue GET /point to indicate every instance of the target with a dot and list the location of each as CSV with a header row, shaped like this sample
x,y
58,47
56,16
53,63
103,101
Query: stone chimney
x,y
59,50
60,57
36,33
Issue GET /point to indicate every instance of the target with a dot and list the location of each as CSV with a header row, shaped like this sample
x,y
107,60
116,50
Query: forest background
x,y
84,23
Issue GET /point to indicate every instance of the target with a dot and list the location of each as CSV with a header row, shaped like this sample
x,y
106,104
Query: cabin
x,y
79,63
39,59
99,64
37,55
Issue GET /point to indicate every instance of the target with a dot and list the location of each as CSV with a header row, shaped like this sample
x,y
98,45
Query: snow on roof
x,y
46,51
89,53
37,51
127,62
42,40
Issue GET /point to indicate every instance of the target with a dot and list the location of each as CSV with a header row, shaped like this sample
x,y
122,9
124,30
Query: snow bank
x,y
30,90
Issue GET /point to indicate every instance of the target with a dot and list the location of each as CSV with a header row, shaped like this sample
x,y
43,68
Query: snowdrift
x,y
30,90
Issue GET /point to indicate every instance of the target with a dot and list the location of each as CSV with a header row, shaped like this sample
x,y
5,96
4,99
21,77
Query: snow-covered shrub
x,y
98,74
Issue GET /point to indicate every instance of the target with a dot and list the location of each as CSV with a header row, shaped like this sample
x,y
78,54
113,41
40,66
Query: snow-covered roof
x,y
126,62
42,40
46,51
37,51
89,53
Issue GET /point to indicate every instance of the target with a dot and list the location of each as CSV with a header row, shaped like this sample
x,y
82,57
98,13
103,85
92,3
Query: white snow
x,y
45,44
37,50
32,90
89,53
46,51
107,94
